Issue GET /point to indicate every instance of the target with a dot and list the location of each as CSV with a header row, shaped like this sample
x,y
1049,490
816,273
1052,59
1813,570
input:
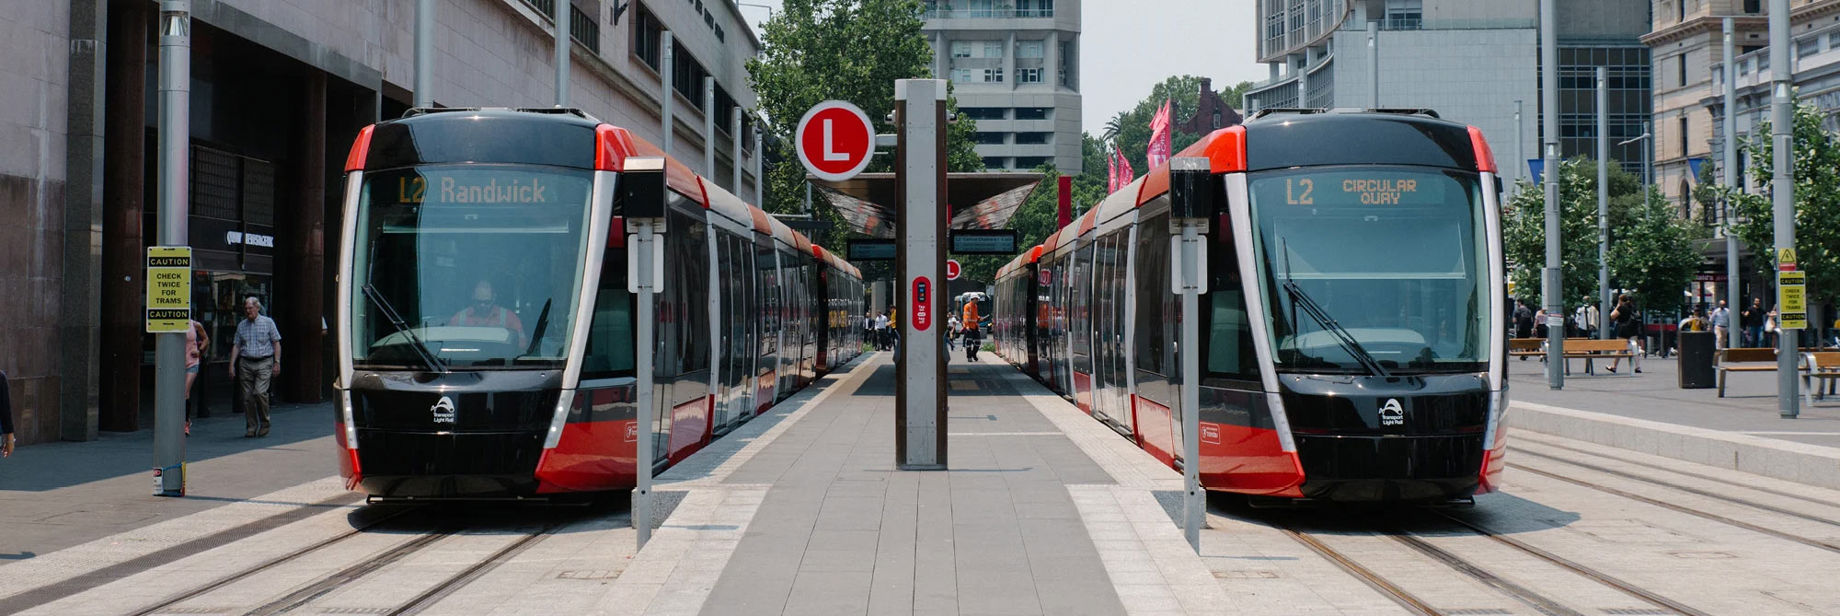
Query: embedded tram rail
x,y
316,578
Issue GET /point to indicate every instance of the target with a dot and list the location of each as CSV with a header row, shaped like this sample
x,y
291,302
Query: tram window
x,y
1226,319
610,335
1152,295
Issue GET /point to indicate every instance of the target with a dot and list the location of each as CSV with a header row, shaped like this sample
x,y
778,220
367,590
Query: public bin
x,y
1695,362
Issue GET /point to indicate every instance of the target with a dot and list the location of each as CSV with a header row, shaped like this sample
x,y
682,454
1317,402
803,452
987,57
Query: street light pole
x,y
424,53
1603,197
561,17
1734,287
1782,197
1520,151
175,87
1549,96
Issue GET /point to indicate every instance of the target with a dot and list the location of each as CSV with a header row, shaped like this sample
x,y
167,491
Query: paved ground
x,y
1749,406
56,495
841,531
1043,511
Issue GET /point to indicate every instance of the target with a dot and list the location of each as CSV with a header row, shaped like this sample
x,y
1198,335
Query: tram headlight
x,y
1498,407
559,418
1280,422
351,426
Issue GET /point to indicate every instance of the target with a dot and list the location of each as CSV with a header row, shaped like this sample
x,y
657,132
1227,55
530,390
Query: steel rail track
x,y
350,574
1677,471
1687,510
1373,580
1684,488
447,587
270,564
1577,568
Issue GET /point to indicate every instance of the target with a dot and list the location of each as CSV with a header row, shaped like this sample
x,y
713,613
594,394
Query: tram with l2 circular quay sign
x,y
1352,339
487,335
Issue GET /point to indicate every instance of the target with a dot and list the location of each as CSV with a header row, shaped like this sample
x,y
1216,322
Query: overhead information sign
x,y
169,289
1791,300
984,241
869,250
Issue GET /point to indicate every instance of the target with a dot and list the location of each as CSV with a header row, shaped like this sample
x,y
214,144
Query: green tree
x,y
1650,250
1817,204
853,50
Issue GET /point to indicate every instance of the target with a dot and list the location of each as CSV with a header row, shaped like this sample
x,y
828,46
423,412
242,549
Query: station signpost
x,y
1191,199
640,195
920,215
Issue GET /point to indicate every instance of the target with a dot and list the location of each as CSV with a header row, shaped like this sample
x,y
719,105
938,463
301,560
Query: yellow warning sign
x,y
169,289
1785,256
1792,300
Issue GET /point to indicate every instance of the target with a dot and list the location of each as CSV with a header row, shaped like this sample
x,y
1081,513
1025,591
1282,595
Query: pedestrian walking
x,y
196,341
881,332
6,419
255,355
1628,327
1769,329
973,336
952,325
1539,324
1523,320
1751,320
1721,326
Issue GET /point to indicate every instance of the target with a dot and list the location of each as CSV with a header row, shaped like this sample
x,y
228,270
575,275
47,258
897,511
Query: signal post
x,y
920,217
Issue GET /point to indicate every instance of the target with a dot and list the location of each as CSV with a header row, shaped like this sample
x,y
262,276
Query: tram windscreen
x,y
478,266
1394,255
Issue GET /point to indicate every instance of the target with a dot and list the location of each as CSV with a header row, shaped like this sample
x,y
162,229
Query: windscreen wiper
x,y
1328,324
434,362
536,336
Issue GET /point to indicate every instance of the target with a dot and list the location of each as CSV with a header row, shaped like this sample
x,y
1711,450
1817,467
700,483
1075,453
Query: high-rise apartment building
x,y
1014,66
1473,61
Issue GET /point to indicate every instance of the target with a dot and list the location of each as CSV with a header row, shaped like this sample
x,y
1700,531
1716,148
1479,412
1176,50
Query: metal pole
x,y
424,53
760,193
1603,196
734,131
1734,286
1191,380
807,210
668,96
561,17
1782,195
920,392
709,126
1520,150
1648,169
643,282
1373,60
1552,289
175,35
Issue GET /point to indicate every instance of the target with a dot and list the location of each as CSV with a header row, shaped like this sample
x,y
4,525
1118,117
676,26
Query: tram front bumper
x,y
1389,467
403,464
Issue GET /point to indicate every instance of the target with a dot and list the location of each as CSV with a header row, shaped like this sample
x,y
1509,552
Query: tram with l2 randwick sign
x,y
487,335
1352,341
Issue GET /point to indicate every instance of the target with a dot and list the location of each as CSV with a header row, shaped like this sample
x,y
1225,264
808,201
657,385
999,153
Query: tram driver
x,y
485,312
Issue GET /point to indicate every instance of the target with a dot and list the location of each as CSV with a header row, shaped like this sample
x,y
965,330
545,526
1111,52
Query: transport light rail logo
x,y
1392,414
443,410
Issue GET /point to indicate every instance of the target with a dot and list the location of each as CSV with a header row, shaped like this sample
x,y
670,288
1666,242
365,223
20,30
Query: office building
x,y
1015,68
279,89
1473,61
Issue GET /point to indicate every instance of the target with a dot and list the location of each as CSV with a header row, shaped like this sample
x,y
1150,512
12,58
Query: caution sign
x,y
1785,259
169,289
1791,300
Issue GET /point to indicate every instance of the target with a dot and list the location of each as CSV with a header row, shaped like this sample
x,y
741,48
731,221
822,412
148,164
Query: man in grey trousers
x,y
255,359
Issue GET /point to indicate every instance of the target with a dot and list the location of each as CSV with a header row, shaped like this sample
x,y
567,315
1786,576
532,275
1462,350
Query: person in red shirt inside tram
x,y
485,312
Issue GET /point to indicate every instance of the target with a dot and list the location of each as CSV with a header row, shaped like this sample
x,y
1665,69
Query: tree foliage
x,y
1651,251
853,50
1817,204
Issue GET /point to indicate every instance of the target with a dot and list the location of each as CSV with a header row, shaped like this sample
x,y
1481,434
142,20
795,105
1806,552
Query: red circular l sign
x,y
952,269
835,140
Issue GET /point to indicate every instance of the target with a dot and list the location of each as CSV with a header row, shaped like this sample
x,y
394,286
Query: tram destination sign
x,y
169,289
984,241
869,250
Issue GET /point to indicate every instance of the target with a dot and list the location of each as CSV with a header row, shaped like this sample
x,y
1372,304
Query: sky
x,y
1206,38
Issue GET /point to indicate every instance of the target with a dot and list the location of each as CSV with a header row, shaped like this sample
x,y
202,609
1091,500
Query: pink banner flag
x,y
1111,173
1125,173
1159,137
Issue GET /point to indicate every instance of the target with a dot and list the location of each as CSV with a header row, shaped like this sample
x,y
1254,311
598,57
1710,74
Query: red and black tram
x,y
487,346
1351,347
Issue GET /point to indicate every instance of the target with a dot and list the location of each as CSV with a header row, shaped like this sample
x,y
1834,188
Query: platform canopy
x,y
980,200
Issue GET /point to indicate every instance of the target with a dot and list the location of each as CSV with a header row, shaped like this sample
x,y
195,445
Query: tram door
x,y
742,387
1117,382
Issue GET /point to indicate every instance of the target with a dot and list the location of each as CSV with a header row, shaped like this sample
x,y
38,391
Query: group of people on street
x,y
879,330
1625,324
